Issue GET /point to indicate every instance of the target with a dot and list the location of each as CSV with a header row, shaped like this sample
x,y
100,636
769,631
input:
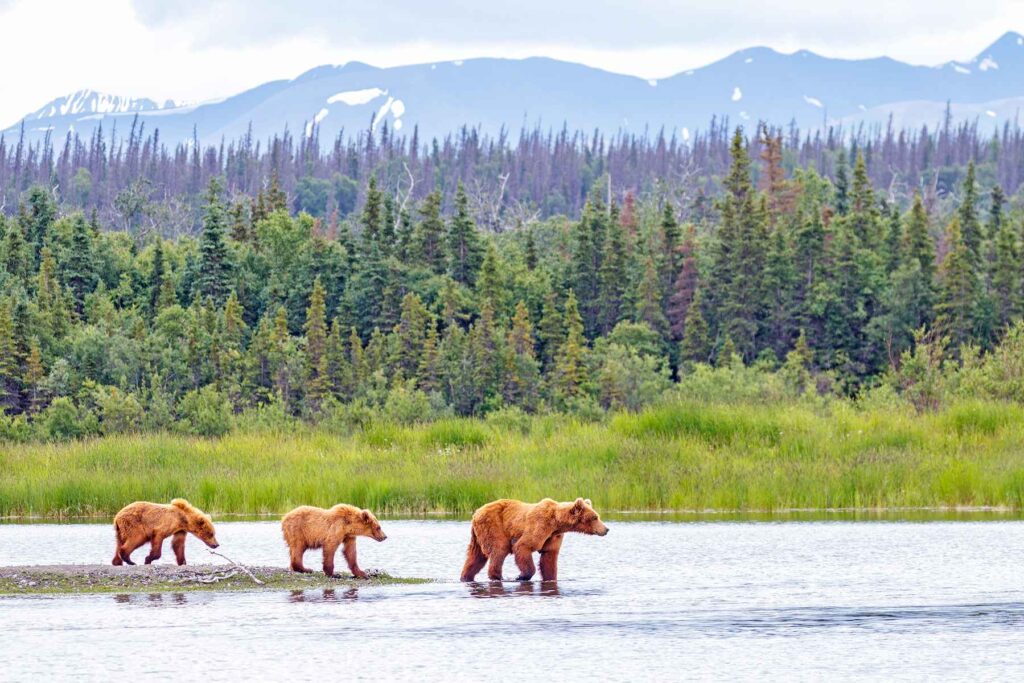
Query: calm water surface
x,y
651,601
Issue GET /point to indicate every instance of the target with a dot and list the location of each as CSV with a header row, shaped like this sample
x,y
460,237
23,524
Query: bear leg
x,y
350,557
130,545
296,552
524,560
496,561
156,547
549,558
178,546
475,559
329,550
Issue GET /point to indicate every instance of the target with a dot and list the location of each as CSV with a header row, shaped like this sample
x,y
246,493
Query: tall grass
x,y
678,456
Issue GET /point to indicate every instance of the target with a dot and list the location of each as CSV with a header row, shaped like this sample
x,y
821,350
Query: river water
x,y
650,601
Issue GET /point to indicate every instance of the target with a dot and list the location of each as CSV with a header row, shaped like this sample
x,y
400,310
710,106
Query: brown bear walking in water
x,y
308,527
143,522
512,527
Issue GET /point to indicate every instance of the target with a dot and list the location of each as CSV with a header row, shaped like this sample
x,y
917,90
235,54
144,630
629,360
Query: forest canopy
x,y
431,296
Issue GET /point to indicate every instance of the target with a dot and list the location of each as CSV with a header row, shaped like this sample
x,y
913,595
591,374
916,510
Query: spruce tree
x,y
958,300
156,275
648,300
213,278
465,253
10,371
696,345
613,278
737,276
430,234
80,268
570,373
684,287
318,383
842,184
522,372
1006,275
970,224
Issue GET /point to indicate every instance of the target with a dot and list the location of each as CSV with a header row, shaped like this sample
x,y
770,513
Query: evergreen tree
x,y
569,376
970,224
213,278
317,371
410,335
1006,275
465,253
842,184
10,374
958,300
685,286
80,269
522,371
671,235
613,278
996,215
550,331
156,276
648,300
738,270
430,234
372,218
588,244
696,344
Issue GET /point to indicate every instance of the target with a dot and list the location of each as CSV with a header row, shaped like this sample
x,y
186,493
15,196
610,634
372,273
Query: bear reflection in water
x,y
327,595
498,589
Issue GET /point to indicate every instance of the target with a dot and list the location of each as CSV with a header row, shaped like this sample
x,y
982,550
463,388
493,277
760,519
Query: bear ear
x,y
366,515
587,501
577,507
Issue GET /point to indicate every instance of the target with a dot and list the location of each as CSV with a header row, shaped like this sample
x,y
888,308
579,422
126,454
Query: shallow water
x,y
661,601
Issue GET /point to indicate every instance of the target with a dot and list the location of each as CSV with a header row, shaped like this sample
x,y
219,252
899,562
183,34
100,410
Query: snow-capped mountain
x,y
495,94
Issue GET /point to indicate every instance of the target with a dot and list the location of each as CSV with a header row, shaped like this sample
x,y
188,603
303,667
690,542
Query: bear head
x,y
580,516
367,525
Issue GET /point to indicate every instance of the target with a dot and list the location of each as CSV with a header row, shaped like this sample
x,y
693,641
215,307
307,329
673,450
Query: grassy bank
x,y
682,456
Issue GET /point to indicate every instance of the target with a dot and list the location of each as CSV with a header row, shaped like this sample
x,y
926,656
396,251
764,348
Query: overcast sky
x,y
201,49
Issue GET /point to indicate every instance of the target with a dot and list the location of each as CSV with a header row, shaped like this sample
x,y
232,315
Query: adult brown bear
x,y
142,522
309,527
512,527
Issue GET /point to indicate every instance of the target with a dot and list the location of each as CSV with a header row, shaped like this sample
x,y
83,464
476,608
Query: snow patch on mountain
x,y
354,98
737,94
814,101
960,70
988,63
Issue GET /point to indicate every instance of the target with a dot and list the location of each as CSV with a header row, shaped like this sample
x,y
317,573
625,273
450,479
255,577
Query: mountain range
x,y
494,94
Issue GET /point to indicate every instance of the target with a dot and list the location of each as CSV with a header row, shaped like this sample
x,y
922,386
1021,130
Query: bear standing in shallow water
x,y
512,527
308,527
142,522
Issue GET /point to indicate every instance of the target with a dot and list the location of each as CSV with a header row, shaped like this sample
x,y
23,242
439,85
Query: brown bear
x,y
512,527
143,522
308,527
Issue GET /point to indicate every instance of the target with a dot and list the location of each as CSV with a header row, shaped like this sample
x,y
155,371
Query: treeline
x,y
405,309
137,183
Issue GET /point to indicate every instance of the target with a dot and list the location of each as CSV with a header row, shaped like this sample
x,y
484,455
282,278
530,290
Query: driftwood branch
x,y
242,567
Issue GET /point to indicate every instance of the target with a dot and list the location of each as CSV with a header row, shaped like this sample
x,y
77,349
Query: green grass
x,y
679,456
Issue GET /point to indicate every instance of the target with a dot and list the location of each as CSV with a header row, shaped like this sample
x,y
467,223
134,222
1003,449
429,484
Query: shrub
x,y
118,411
63,420
205,412
407,405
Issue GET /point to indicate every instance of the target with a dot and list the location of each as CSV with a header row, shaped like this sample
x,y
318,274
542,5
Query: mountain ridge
x,y
495,94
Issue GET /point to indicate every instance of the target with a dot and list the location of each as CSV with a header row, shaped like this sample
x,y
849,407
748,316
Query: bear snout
x,y
603,531
381,537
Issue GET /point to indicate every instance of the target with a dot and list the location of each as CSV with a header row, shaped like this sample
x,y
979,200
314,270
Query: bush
x,y
15,428
407,405
63,420
118,411
205,412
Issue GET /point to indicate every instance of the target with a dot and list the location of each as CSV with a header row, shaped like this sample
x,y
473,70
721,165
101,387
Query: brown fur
x,y
308,527
507,527
142,522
